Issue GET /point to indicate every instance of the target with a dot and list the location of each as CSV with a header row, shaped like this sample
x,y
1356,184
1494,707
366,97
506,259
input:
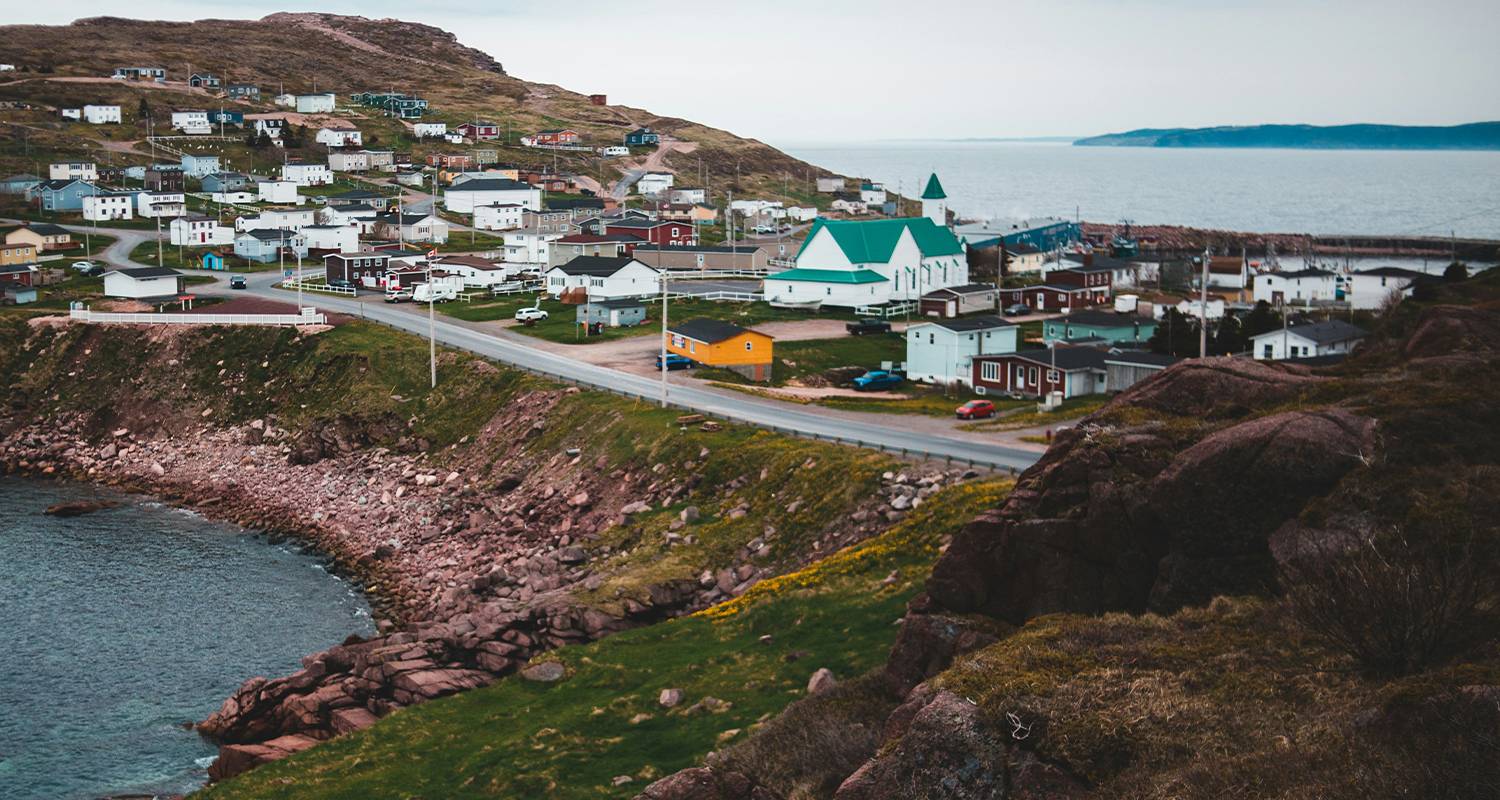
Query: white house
x,y
614,150
278,192
687,195
870,262
603,278
339,134
1192,307
338,238
73,171
1310,339
942,351
233,197
414,227
192,121
268,244
477,273
465,196
1370,289
500,217
653,183
1302,287
348,160
199,231
294,219
142,282
160,204
271,126
101,115
199,166
70,113
528,247
802,213
1229,272
750,208
872,194
307,103
108,206
429,130
307,174
848,205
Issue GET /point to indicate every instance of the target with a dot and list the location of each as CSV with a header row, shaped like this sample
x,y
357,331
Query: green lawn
x,y
568,740
189,258
467,241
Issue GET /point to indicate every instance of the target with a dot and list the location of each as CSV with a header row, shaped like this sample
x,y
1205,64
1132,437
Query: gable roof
x,y
47,228
1099,319
983,322
489,185
144,272
1326,332
934,190
710,331
968,288
873,241
1141,358
597,266
829,275
1067,359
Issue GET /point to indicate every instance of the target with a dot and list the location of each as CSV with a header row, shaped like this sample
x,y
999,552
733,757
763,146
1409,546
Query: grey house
x,y
264,244
18,184
64,195
225,182
611,313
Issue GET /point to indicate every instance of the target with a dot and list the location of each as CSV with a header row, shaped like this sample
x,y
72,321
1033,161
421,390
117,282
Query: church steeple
x,y
935,201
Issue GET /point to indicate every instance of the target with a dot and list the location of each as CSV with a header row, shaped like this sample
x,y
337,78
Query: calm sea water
x,y
117,626
1271,191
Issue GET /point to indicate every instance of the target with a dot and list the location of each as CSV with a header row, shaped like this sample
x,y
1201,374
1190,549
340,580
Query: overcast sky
x,y
840,70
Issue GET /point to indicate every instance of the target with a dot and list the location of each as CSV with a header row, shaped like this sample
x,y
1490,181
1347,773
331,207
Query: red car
x,y
976,409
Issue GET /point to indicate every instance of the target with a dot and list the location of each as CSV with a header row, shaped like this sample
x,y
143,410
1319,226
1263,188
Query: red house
x,y
564,136
23,274
479,130
1050,296
1099,280
1074,371
654,231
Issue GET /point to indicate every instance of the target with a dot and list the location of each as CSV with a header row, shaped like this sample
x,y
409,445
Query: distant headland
x,y
1473,136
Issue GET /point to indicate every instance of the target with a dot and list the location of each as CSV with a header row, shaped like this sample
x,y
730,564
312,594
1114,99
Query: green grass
x,y
517,739
467,241
190,257
928,401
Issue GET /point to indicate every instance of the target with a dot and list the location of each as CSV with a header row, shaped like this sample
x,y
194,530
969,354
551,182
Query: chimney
x,y
1088,258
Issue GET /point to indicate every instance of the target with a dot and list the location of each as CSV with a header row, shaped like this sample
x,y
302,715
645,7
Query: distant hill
x,y
1473,136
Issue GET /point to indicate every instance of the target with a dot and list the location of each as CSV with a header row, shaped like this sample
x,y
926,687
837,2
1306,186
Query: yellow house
x,y
17,254
43,235
722,344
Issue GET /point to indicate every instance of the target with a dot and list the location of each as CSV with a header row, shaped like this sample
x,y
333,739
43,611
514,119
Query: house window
x,y
931,339
989,371
748,345
1052,376
1031,375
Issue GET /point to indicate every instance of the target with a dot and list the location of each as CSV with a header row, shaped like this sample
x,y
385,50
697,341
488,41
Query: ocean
x,y
1324,192
119,626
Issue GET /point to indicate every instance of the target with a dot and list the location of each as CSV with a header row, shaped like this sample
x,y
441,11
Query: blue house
x,y
236,118
213,260
622,313
1108,326
642,136
18,184
225,182
265,244
63,195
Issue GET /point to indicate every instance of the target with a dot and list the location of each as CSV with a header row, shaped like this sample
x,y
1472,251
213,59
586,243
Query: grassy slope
x,y
521,740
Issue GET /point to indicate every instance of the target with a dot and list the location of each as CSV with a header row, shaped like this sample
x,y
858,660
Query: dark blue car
x,y
675,361
876,379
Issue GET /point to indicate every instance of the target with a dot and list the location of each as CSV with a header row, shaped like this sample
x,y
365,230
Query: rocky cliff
x,y
1196,592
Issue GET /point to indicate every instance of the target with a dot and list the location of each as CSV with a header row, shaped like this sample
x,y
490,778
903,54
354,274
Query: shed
x,y
213,260
140,283
716,343
620,313
955,301
1125,368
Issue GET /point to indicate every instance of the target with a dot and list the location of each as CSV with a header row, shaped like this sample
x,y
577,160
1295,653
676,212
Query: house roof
x,y
1226,265
829,275
710,331
597,266
12,268
360,254
21,177
47,228
640,223
873,241
145,272
1329,331
594,238
623,302
490,185
968,288
983,322
934,190
271,234
1099,319
1049,287
1141,358
468,261
1067,359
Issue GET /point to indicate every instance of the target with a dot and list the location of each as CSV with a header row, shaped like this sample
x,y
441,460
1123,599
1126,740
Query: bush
x,y
1395,603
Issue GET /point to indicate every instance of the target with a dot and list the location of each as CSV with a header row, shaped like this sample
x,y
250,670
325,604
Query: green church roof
x,y
872,241
934,190
829,275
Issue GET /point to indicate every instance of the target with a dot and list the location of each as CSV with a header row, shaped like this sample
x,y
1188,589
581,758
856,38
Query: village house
x,y
614,150
429,130
243,91
1106,326
198,166
554,138
478,131
693,257
574,245
101,115
642,137
714,343
873,194
265,245
17,253
322,103
44,236
455,161
528,247
160,204
271,125
307,174
956,301
61,195
1371,289
106,206
1073,371
655,233
1301,287
331,238
847,203
687,195
602,278
196,230
1228,272
1124,272
1049,297
411,227
465,196
411,176
72,171
1125,368
75,114
191,121
348,160
359,267
871,262
337,133
373,199
203,80
164,178
294,219
143,283
621,313
18,183
1307,340
1097,279
226,182
1193,307
830,185
653,183
940,352
284,191
157,74
14,276
550,220
1023,257
477,273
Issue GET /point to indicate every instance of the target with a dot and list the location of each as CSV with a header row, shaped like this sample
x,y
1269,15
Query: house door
x,y
1277,298
952,308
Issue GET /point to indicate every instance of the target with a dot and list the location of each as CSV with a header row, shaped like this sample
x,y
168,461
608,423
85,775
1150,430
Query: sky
x,y
857,70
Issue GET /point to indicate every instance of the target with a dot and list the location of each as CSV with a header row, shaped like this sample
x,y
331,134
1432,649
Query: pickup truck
x,y
867,325
875,380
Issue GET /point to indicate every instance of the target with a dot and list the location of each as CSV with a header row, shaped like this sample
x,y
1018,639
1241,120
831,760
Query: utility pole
x,y
662,278
158,238
1203,309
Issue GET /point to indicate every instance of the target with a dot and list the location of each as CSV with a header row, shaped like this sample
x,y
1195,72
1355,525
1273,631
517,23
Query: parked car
x,y
531,314
238,282
1017,310
675,362
340,283
976,409
867,325
876,379
83,266
397,295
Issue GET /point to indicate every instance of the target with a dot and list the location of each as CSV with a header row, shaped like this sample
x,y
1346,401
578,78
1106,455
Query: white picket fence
x,y
317,286
307,317
887,311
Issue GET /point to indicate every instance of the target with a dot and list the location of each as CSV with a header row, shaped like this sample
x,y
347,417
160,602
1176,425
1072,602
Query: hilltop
x,y
1474,136
303,52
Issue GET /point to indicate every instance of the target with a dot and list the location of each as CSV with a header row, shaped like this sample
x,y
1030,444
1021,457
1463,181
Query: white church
x,y
849,263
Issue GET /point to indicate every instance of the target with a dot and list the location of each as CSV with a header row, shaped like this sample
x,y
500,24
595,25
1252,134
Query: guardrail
x,y
307,286
275,320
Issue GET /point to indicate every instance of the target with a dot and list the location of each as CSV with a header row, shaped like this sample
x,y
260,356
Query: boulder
x,y
669,698
821,681
237,758
77,508
545,672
